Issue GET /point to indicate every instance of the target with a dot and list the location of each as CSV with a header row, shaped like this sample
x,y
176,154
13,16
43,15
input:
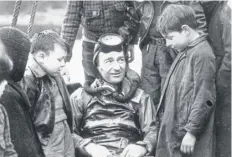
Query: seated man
x,y
113,117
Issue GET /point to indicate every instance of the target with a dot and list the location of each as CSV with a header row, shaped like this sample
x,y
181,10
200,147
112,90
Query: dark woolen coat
x,y
15,101
220,36
23,134
187,102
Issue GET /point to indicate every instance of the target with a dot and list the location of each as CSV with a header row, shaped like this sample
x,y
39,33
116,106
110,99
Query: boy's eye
x,y
60,59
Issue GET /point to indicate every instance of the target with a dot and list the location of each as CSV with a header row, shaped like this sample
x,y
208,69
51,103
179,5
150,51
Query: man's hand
x,y
188,143
133,150
130,53
97,151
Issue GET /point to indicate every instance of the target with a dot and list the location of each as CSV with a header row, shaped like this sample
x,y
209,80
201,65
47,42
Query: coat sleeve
x,y
147,121
204,73
5,138
78,111
71,22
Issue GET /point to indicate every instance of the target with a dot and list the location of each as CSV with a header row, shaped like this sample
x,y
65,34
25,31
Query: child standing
x,y
48,94
186,107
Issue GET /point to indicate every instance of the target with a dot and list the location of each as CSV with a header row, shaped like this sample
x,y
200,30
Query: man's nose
x,y
116,66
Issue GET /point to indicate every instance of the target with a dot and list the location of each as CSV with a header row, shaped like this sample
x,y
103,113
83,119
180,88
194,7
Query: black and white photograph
x,y
110,78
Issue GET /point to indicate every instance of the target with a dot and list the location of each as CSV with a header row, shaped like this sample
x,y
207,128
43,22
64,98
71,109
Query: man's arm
x,y
147,121
71,22
78,110
5,138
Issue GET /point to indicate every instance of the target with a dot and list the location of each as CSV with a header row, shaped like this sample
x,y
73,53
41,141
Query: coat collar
x,y
125,87
36,69
201,38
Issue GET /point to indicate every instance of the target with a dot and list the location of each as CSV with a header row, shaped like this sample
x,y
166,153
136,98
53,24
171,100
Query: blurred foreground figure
x,y
6,146
113,116
24,137
220,37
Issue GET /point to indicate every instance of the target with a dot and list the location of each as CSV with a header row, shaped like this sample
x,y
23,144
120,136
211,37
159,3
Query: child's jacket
x,y
188,101
37,85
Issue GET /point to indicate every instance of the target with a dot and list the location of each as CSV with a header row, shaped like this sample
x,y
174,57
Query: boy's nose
x,y
168,43
63,63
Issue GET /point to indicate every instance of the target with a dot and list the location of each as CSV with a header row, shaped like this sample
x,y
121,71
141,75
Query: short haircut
x,y
45,40
174,16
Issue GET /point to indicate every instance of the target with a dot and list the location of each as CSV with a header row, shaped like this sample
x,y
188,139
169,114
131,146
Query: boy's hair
x,y
174,16
45,40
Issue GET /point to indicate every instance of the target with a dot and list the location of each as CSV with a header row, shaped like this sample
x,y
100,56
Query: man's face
x,y
6,64
54,61
177,40
112,66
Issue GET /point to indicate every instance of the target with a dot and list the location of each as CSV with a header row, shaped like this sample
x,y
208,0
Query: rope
x,y
16,13
29,30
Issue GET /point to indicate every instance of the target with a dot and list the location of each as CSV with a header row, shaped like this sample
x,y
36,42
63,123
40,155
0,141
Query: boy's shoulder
x,y
202,49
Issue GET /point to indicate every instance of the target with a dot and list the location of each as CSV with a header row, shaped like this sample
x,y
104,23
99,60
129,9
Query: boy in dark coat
x,y
48,94
14,99
186,107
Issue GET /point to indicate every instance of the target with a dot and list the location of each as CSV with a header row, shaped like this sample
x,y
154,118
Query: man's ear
x,y
40,57
185,29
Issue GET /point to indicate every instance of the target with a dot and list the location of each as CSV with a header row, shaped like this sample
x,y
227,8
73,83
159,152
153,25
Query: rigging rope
x,y
16,13
33,12
32,18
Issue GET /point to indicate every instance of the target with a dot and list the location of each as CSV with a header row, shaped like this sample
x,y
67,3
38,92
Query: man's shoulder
x,y
81,95
139,95
203,50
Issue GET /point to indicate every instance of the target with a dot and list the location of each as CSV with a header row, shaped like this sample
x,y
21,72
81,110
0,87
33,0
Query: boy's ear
x,y
40,56
185,29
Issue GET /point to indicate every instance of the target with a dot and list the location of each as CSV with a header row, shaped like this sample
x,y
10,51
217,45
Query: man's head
x,y
49,51
109,58
17,46
177,23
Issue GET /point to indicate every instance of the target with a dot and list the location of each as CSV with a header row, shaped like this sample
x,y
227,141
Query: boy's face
x,y
53,62
177,40
112,66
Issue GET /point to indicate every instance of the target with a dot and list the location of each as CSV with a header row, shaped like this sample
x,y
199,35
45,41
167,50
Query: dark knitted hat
x,y
17,45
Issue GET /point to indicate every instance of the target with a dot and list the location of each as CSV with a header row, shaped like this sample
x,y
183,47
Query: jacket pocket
x,y
91,20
